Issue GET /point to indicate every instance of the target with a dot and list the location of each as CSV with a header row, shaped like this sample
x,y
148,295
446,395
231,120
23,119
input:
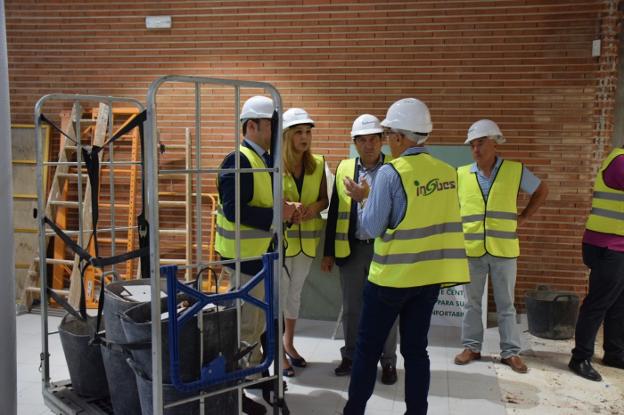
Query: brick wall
x,y
525,63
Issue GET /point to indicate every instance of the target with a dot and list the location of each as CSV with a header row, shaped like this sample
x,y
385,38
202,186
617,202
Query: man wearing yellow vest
x,y
413,213
603,253
488,191
256,217
351,247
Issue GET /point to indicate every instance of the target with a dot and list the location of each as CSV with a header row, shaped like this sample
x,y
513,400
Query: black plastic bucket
x,y
170,394
219,333
137,326
122,383
552,314
84,360
116,301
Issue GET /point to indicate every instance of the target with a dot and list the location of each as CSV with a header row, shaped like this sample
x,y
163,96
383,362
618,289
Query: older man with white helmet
x,y
488,190
413,214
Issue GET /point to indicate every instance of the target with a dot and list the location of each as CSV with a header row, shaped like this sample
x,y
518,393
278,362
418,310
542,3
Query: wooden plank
x,y
22,280
24,159
172,203
69,127
23,214
24,178
101,128
182,231
60,218
132,209
26,247
23,142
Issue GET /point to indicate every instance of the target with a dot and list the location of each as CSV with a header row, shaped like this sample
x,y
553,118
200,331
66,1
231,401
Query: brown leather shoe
x,y
515,363
466,357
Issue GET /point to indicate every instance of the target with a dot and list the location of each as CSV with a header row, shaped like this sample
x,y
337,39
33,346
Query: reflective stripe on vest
x,y
427,246
253,241
492,228
305,236
346,168
607,213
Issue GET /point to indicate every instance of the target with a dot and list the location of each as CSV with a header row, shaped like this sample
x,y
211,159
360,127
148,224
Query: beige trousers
x,y
252,321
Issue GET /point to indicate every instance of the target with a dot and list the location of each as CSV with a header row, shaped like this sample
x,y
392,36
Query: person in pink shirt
x,y
603,253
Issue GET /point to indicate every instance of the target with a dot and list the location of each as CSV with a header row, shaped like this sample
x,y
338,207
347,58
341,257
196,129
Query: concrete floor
x,y
485,388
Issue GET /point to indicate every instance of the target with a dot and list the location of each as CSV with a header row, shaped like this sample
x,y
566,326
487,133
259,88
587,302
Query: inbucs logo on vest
x,y
431,186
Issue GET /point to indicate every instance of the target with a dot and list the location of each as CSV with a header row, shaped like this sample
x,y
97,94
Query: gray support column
x,y
8,362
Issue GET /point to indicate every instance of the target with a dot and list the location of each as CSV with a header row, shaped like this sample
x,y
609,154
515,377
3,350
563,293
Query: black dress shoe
x,y
584,369
388,375
344,368
613,361
251,407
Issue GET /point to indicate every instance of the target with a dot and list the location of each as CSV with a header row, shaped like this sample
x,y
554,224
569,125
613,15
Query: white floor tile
x,y
485,387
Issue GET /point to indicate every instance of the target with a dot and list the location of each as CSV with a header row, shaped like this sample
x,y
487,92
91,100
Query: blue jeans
x,y
382,305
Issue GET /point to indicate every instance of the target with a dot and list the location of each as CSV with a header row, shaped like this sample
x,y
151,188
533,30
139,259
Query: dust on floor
x,y
550,388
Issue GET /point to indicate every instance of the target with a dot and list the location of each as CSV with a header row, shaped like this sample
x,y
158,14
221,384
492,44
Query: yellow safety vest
x,y
346,168
253,241
607,213
490,227
305,237
427,246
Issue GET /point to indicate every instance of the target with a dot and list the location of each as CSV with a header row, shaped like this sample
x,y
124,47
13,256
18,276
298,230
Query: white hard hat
x,y
366,124
485,128
296,116
409,114
257,107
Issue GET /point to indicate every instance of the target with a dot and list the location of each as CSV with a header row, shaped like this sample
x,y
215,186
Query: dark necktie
x,y
268,159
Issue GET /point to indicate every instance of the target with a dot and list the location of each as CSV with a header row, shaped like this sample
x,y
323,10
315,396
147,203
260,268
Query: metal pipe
x,y
278,203
78,138
188,183
198,206
8,363
111,180
151,205
237,143
215,170
104,163
198,164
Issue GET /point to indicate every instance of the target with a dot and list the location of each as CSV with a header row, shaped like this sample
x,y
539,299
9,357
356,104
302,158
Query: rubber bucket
x,y
122,382
84,360
552,314
170,394
137,325
116,301
219,337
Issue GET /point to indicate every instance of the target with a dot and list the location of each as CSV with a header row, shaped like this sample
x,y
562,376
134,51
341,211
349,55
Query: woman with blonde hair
x,y
304,185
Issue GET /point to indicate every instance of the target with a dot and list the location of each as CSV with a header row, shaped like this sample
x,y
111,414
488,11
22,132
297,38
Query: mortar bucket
x,y
552,314
84,360
122,382
219,333
170,394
